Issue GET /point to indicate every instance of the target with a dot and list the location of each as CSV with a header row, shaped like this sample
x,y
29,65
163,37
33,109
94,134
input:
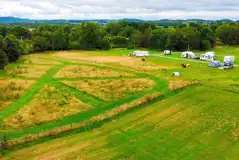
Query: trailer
x,y
140,53
167,52
209,56
188,54
228,62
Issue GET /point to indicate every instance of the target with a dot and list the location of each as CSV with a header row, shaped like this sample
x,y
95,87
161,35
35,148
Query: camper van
x,y
140,53
209,56
228,62
188,54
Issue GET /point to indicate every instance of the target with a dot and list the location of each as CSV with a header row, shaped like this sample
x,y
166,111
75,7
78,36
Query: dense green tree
x,y
3,59
91,36
20,32
40,43
205,45
127,32
119,42
13,49
3,31
229,34
105,43
208,34
113,28
158,39
192,38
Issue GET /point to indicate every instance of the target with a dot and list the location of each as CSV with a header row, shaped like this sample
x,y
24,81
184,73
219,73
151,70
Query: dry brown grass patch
x,y
132,62
49,104
112,89
29,71
179,84
126,61
11,90
86,71
40,61
4,104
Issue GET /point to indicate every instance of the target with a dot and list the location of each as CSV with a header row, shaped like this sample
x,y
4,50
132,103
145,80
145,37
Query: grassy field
x,y
196,116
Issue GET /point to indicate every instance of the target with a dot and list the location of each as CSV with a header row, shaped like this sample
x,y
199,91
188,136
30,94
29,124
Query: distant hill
x,y
10,20
13,20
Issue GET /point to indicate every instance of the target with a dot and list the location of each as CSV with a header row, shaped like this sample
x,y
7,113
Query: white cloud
x,y
116,9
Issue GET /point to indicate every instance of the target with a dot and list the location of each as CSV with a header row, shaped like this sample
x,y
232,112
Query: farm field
x,y
107,105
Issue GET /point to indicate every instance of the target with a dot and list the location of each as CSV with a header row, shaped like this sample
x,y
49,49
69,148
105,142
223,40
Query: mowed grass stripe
x,y
86,98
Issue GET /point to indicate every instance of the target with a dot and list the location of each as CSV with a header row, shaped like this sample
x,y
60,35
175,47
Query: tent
x,y
214,64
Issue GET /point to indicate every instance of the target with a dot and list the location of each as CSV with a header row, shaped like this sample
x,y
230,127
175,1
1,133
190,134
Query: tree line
x,y
17,40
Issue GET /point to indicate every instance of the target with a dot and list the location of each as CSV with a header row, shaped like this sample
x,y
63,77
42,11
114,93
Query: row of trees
x,y
17,40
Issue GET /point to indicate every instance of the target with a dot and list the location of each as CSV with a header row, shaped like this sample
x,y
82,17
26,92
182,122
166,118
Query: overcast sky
x,y
117,9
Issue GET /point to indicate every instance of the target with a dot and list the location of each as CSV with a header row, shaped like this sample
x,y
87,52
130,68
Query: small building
x,y
140,53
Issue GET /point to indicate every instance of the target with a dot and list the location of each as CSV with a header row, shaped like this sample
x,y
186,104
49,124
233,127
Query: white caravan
x,y
167,52
210,56
188,54
140,53
228,62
